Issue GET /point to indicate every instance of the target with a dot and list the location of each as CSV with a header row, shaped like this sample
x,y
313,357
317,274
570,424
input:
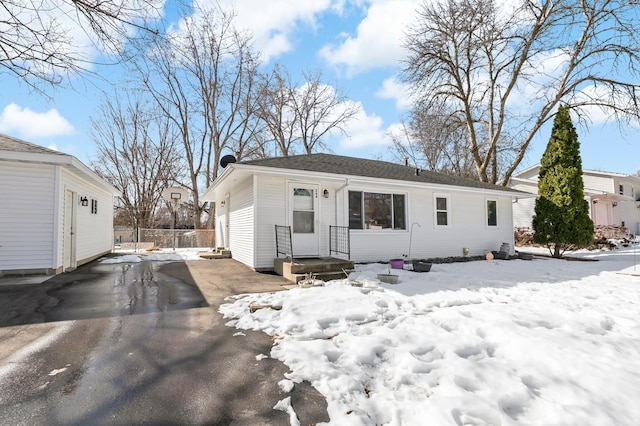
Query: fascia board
x,y
69,162
363,180
605,174
527,170
93,176
33,157
210,193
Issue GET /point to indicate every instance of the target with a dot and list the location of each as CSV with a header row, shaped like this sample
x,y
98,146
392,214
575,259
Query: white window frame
x,y
436,211
486,213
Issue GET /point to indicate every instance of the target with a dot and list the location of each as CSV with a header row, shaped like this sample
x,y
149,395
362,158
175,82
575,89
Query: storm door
x,y
303,207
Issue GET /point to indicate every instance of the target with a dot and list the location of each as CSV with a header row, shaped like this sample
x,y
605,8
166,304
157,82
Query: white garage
x,y
55,213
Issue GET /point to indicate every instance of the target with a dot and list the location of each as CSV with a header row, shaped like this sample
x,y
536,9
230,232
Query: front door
x,y
303,207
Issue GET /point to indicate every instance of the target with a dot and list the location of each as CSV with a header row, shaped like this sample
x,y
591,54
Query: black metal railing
x,y
339,240
283,241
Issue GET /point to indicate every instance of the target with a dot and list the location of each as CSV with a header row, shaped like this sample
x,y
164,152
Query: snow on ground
x,y
167,254
481,343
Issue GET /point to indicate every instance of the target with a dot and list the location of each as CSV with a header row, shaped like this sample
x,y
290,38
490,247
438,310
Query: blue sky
x,y
355,43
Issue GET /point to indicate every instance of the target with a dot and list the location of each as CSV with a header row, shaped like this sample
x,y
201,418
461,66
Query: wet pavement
x,y
140,343
101,290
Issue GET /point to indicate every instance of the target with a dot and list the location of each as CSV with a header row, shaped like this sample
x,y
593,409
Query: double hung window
x,y
442,210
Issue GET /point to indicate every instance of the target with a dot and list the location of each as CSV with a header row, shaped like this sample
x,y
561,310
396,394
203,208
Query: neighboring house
x,y
614,198
391,210
56,213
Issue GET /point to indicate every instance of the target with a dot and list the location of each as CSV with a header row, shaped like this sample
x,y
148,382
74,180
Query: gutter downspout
x,y
340,189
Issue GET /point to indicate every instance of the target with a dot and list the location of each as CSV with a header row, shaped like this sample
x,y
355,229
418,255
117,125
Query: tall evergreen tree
x,y
561,212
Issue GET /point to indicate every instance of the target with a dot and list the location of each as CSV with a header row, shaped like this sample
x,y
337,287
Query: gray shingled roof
x,y
350,166
8,143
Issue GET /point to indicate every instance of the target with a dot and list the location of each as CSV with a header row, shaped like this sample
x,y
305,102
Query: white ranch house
x,y
389,210
56,213
614,198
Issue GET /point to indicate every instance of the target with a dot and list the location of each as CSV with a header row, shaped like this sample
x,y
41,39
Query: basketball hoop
x,y
175,195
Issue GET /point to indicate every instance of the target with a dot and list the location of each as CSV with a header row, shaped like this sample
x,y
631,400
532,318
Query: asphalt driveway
x,y
141,343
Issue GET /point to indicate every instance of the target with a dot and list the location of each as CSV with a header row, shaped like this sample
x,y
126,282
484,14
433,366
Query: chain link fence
x,y
178,238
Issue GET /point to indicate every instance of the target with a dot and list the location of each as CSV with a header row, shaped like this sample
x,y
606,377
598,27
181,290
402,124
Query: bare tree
x,y
321,109
136,152
428,141
503,71
298,117
276,111
36,41
203,78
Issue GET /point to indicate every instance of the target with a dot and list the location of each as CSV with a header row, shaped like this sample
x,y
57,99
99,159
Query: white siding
x,y
26,216
467,228
327,215
524,209
629,211
221,224
599,183
93,231
241,223
258,204
271,211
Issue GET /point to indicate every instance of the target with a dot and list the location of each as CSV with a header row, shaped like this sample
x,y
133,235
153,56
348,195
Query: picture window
x,y
370,210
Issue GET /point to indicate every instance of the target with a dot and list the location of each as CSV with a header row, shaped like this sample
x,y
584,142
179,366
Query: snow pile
x,y
499,343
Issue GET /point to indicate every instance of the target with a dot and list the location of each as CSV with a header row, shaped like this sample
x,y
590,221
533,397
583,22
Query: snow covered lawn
x,y
542,342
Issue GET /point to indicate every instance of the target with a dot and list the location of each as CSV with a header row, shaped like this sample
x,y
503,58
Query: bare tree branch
x,y
203,78
298,117
136,152
38,42
502,71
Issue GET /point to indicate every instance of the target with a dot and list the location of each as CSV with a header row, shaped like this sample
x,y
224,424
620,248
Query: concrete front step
x,y
218,254
327,268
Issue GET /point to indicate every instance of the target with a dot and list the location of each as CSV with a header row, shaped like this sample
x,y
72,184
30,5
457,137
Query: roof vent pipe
x,y
406,161
417,172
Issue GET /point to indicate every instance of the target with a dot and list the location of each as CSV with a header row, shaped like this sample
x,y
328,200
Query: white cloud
x,y
601,115
273,24
364,131
29,124
397,91
378,38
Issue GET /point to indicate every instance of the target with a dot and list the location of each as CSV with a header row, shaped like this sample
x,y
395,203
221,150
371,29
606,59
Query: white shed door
x,y
69,237
303,208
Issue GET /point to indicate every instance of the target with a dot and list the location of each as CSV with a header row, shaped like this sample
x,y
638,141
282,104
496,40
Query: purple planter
x,y
397,263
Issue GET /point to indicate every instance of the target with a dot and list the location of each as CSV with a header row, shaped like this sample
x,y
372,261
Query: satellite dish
x,y
226,160
175,195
